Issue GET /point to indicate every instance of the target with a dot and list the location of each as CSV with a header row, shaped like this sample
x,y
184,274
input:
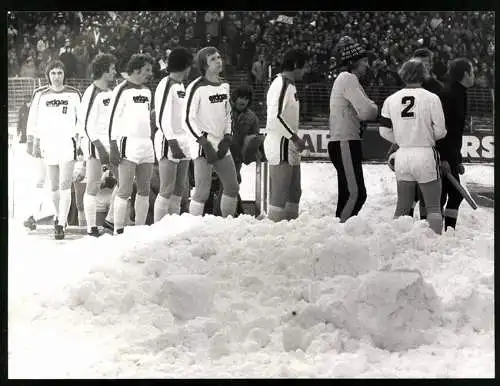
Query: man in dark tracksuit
x,y
454,101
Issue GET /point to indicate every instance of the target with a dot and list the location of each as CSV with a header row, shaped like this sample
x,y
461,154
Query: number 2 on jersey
x,y
409,102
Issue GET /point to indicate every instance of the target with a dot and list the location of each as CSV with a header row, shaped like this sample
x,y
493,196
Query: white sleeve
x,y
77,102
117,107
437,117
158,98
279,105
385,128
228,113
364,106
31,124
191,113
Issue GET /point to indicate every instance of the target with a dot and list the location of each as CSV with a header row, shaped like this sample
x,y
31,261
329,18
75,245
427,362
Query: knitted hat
x,y
351,52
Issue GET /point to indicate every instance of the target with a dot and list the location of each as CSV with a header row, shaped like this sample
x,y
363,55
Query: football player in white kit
x,y
94,124
33,149
207,119
282,144
131,146
171,146
56,120
413,119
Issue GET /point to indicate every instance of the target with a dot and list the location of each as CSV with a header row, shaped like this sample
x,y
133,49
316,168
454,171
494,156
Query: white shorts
x,y
136,150
279,149
163,151
420,164
56,152
89,150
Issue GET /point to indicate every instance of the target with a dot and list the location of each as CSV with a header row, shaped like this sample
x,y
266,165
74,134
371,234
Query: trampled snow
x,y
241,298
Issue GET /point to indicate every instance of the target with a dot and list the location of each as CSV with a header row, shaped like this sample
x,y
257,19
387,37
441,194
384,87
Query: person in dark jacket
x,y
22,120
454,100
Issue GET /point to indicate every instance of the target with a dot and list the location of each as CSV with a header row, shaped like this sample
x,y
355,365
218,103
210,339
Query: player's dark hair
x,y
293,59
100,65
457,69
413,71
54,64
243,91
138,61
179,60
201,58
423,53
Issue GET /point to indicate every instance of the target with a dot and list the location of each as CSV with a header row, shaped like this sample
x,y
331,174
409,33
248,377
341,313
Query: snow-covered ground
x,y
212,297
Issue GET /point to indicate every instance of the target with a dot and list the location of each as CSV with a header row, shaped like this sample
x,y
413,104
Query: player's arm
x,y
31,124
159,95
437,117
117,107
279,105
173,109
191,110
228,120
365,108
77,100
385,129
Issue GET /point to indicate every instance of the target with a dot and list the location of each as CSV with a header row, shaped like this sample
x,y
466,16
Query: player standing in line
x,y
56,119
93,121
207,118
282,145
413,119
131,147
349,107
33,149
435,86
454,99
170,141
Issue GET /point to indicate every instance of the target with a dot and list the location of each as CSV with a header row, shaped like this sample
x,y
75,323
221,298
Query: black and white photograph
x,y
250,194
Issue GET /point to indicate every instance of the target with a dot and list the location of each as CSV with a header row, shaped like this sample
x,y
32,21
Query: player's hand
x,y
392,161
461,169
445,168
177,152
79,172
37,151
29,145
103,154
224,145
208,149
299,143
114,154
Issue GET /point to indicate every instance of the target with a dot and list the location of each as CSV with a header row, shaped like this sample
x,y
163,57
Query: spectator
x,y
212,20
13,64
28,69
69,60
259,72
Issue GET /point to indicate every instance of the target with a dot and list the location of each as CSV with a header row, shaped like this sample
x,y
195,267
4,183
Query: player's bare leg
x,y
94,173
226,171
126,174
168,172
53,174
39,193
291,210
143,175
203,182
280,177
174,206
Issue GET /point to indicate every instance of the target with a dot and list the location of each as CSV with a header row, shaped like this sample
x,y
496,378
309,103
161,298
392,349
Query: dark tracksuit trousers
x,y
347,158
450,199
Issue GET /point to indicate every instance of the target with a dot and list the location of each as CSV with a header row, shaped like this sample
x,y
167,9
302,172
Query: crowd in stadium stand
x,y
251,41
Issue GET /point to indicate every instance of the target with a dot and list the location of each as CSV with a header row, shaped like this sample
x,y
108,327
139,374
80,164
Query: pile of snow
x,y
213,297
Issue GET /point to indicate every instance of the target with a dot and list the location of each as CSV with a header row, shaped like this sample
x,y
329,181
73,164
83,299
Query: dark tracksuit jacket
x,y
454,101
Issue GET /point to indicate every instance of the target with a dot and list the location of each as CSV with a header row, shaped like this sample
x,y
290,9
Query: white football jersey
x,y
412,117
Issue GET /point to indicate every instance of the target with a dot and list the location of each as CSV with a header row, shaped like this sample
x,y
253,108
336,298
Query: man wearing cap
x,y
349,107
282,144
171,147
207,120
